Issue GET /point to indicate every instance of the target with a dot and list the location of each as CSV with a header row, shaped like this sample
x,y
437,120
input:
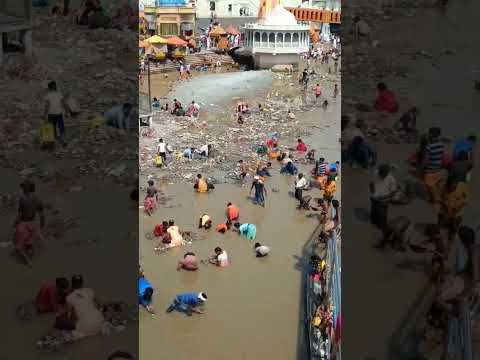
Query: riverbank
x,y
255,306
217,124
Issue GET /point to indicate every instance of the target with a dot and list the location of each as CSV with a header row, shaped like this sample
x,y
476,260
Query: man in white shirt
x,y
220,258
162,150
205,150
381,192
300,184
261,250
55,107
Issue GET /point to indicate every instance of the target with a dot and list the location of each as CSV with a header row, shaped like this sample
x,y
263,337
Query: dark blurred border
x,y
91,223
427,55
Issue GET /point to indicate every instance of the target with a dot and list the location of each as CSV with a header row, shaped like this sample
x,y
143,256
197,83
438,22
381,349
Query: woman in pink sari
x,y
385,101
27,230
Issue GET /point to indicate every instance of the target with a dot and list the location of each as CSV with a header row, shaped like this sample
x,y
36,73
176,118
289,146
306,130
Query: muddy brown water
x,y
253,309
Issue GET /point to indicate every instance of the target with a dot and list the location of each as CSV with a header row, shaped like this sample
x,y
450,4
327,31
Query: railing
x,y
334,281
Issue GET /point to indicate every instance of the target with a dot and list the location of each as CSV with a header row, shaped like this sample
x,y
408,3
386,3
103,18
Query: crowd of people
x,y
445,175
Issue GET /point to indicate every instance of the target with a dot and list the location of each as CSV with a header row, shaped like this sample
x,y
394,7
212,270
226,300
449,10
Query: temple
x,y
276,38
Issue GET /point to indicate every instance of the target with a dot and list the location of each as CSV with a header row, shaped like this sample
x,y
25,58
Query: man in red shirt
x,y
301,146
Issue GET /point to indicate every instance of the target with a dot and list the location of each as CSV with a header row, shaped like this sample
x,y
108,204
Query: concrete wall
x,y
17,8
266,61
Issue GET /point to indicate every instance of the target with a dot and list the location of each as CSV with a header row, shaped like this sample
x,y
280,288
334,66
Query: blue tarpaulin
x,y
161,3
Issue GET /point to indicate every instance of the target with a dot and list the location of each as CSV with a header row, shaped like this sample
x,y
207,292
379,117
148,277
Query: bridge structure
x,y
316,15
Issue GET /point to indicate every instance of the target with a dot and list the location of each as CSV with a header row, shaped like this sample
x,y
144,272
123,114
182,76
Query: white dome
x,y
279,16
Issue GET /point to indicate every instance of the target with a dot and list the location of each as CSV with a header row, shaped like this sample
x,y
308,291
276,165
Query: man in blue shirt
x,y
188,303
145,293
466,145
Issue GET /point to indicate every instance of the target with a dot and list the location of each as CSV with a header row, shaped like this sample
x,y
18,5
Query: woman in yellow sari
x,y
454,199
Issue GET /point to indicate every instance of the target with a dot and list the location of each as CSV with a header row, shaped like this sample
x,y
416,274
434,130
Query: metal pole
x,y
149,88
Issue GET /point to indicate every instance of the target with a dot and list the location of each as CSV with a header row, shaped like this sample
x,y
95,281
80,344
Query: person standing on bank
x,y
381,192
55,108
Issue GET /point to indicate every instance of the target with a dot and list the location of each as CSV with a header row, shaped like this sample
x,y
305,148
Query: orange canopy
x,y
217,31
232,30
176,41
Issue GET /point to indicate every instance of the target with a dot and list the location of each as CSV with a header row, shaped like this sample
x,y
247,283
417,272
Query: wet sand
x,y
254,304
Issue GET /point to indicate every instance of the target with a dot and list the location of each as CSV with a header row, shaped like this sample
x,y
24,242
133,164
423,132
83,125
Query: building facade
x,y
223,9
170,17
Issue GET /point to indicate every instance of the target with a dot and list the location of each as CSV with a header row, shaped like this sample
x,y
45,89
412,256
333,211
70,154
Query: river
x,y
254,309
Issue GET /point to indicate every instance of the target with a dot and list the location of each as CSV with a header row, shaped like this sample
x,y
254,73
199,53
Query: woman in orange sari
x,y
454,199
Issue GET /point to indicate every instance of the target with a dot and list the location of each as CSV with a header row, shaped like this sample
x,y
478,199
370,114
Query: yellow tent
x,y
155,39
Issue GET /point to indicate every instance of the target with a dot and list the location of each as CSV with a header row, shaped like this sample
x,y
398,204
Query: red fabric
x,y
302,147
26,233
386,102
447,160
338,329
149,203
46,300
270,143
158,231
233,213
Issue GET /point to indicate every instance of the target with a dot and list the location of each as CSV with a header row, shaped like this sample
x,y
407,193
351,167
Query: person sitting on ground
x,y
219,258
120,116
193,109
467,145
82,315
189,153
145,293
301,146
188,303
249,230
290,115
361,153
240,120
288,166
224,227
160,229
385,101
461,167
155,103
189,262
176,105
172,238
52,297
396,234
261,250
233,213
205,222
333,169
408,121
310,155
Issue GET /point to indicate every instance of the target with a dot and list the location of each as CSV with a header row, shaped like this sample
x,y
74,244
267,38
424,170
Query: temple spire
x,y
266,6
